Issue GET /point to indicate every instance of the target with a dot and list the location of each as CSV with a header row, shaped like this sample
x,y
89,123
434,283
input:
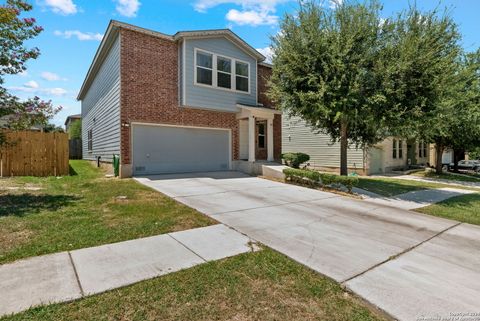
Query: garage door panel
x,y
165,149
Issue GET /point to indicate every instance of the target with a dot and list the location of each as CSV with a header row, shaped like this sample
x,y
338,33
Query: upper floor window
x,y
241,76
221,72
204,68
224,72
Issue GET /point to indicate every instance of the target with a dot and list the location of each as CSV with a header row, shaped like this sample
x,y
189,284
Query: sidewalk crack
x,y
188,248
393,257
76,274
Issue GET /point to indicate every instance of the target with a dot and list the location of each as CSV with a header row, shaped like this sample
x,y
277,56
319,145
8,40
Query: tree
x,y
75,130
14,31
464,131
326,70
424,76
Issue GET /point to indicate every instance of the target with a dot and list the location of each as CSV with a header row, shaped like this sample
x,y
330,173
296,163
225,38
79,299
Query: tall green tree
x,y
463,131
14,54
422,76
325,70
75,130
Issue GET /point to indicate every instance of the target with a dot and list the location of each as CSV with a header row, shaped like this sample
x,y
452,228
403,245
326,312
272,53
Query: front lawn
x,y
264,285
464,208
475,178
391,186
45,215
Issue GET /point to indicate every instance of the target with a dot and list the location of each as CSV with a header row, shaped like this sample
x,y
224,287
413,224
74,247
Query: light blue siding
x,y
212,98
298,137
101,109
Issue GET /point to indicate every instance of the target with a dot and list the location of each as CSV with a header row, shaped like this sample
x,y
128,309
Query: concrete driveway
x,y
409,265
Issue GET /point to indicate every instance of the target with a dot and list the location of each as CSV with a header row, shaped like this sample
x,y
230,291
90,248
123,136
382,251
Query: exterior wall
x,y
150,91
298,137
386,148
101,109
214,98
264,74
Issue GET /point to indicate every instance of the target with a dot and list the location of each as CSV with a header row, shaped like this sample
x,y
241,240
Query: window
x,y
394,149
224,72
261,135
241,76
221,72
400,149
90,140
204,68
420,150
424,149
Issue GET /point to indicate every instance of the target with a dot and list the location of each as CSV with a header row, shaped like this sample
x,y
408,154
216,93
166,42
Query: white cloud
x,y
267,52
28,88
82,36
253,12
335,3
50,76
128,8
64,7
251,17
23,73
31,84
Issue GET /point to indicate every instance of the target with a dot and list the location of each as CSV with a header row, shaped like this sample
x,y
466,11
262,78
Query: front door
x,y
261,140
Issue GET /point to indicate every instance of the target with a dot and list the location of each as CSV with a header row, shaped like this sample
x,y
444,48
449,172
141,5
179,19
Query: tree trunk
x,y
439,151
455,160
343,148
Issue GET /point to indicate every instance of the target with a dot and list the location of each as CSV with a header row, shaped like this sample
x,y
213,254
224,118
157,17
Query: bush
x,y
295,159
309,177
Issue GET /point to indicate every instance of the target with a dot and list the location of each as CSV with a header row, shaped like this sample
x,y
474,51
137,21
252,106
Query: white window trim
x,y
215,71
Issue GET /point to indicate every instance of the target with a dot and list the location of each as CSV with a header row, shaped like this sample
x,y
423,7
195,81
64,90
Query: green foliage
x,y
75,130
14,31
309,177
295,159
326,69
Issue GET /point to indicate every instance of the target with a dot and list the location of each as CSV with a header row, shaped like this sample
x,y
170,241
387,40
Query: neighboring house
x,y
70,120
391,154
194,101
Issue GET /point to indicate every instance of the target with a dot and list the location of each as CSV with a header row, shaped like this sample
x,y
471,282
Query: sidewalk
x,y
71,275
413,199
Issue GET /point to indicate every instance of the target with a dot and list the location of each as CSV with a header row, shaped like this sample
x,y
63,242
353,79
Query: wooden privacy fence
x,y
30,153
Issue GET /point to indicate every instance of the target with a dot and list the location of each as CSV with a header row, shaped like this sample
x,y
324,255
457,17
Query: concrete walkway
x,y
408,264
413,199
71,275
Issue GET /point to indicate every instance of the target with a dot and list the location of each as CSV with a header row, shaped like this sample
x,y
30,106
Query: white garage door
x,y
167,149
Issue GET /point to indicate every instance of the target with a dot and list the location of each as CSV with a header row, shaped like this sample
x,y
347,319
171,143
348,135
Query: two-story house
x,y
193,101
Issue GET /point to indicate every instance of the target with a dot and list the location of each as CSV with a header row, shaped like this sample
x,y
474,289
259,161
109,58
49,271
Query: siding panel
x,y
212,98
101,109
298,137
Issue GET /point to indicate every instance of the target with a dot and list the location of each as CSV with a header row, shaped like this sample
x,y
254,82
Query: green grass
x,y
464,208
391,186
83,210
256,286
462,178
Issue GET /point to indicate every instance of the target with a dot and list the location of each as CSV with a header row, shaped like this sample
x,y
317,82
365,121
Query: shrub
x,y
295,159
309,177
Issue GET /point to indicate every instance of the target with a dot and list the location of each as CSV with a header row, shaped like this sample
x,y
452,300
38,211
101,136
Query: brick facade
x,y
264,74
150,92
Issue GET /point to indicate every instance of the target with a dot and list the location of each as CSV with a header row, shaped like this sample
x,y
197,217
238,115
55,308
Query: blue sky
x,y
74,28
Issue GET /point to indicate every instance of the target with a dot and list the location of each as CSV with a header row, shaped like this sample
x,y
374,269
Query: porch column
x,y
270,139
251,138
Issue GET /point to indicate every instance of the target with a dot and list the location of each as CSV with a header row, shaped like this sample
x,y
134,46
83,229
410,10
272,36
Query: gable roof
x,y
112,32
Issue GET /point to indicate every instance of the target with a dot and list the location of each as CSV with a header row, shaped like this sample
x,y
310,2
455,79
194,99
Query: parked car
x,y
466,165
